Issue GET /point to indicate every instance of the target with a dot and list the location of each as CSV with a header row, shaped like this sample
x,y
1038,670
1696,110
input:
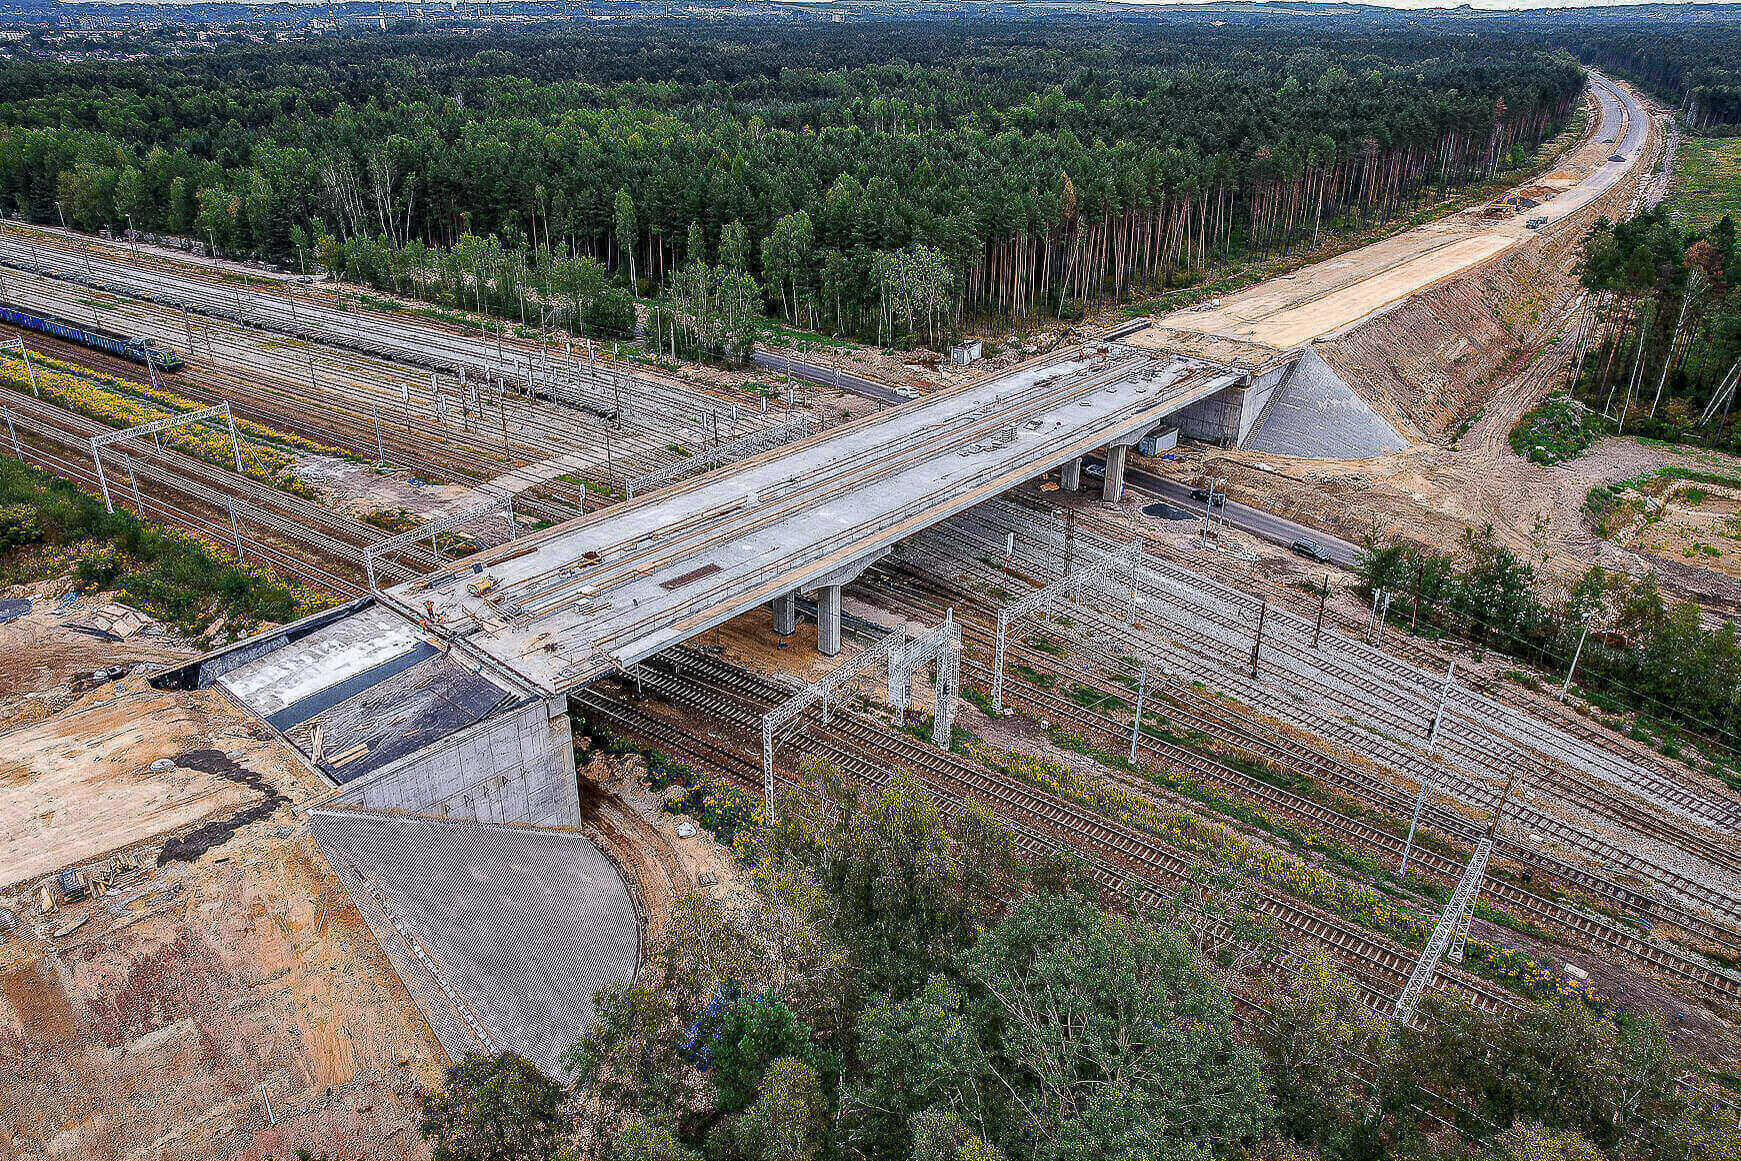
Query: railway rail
x,y
1223,723
414,339
191,518
299,520
1594,931
249,367
403,441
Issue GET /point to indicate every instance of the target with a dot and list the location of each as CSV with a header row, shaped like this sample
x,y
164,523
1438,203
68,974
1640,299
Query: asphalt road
x,y
1267,525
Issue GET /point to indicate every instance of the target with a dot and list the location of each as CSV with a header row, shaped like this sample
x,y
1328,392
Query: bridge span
x,y
447,694
562,607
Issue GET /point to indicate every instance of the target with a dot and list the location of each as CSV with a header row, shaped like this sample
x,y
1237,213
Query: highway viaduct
x,y
564,606
448,694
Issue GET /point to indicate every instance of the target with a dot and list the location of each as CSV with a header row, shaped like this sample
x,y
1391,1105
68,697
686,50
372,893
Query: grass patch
x,y
1557,430
1706,182
171,576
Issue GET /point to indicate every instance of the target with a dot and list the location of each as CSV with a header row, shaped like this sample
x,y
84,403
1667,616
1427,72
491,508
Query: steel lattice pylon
x,y
1451,933
1451,926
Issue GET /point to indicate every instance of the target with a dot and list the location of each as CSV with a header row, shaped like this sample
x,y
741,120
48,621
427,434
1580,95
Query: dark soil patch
x,y
193,844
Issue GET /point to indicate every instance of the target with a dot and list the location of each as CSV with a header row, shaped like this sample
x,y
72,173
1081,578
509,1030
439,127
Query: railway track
x,y
1342,699
444,416
1215,718
327,534
198,520
739,698
329,421
1590,746
1595,932
404,337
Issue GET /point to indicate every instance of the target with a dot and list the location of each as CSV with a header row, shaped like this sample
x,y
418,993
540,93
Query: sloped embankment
x,y
1436,359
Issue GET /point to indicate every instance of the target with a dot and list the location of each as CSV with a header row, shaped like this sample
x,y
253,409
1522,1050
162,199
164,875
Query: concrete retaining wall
x,y
1212,420
1229,417
515,767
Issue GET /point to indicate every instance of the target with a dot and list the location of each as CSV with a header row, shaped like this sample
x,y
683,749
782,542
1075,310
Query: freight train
x,y
144,351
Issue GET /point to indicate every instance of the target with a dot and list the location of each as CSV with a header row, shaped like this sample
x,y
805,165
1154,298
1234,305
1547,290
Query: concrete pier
x,y
785,614
1070,475
1114,488
828,620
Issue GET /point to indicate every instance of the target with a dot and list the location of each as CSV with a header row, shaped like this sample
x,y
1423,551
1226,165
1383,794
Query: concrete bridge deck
x,y
564,606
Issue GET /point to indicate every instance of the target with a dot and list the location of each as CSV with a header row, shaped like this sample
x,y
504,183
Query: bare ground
x,y
222,998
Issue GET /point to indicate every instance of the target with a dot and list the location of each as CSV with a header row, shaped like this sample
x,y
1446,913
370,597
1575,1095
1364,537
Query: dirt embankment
x,y
215,994
1434,362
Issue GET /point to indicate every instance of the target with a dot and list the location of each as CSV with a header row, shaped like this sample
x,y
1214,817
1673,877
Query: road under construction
x,y
446,686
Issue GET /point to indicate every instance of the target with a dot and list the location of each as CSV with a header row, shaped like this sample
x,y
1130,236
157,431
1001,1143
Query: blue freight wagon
x,y
138,350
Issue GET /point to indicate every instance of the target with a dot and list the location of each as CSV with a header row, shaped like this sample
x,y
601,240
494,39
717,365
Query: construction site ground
x,y
221,997
40,657
1434,494
1698,522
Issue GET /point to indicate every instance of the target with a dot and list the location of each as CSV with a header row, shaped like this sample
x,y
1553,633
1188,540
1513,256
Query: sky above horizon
x,y
1408,5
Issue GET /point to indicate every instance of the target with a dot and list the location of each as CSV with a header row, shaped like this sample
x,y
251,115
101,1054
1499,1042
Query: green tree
x,y
734,248
611,315
911,889
788,1119
641,1140
786,257
628,1063
941,1135
495,1108
1615,1082
627,228
1108,1039
1315,1041
752,1031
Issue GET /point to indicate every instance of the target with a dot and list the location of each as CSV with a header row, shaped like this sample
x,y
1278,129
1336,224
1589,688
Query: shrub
x,y
611,315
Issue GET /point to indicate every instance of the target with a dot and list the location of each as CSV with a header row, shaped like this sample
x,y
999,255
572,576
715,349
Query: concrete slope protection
x,y
502,933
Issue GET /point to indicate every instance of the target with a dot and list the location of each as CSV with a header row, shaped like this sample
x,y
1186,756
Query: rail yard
x,y
527,553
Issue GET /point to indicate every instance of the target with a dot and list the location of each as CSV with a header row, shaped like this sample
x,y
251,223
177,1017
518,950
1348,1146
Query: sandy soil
x,y
39,656
358,489
81,784
1699,523
221,998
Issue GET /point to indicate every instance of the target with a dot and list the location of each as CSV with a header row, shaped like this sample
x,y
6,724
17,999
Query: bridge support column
x,y
1070,475
1114,489
785,614
828,620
